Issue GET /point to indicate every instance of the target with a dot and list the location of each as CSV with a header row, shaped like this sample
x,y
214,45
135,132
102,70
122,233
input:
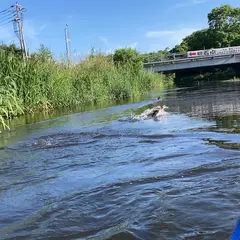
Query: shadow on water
x,y
97,175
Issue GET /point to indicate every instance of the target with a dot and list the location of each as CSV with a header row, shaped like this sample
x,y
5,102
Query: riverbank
x,y
235,79
215,75
36,85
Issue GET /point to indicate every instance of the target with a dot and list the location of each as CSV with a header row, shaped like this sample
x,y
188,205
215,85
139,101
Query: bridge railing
x,y
185,59
163,57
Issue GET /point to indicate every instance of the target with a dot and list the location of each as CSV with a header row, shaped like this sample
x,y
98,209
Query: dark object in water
x,y
236,233
154,113
157,102
158,111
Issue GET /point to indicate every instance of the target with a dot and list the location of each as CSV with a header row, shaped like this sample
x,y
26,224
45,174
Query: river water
x,y
97,175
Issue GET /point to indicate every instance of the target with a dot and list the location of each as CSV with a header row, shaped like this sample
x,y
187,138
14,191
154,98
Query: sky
x,y
106,25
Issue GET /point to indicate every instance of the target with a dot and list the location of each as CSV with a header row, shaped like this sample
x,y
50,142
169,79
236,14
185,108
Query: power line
x,y
7,9
16,16
7,12
6,23
12,17
7,15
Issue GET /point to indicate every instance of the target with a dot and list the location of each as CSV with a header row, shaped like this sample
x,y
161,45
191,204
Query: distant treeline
x,y
223,31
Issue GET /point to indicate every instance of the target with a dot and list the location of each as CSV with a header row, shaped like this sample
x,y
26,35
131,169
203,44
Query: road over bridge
x,y
190,65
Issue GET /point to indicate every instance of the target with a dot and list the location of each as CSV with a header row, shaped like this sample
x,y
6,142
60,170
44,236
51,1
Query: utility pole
x,y
19,22
67,40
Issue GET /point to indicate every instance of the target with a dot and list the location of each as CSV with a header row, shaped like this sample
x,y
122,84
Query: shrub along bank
x,y
40,83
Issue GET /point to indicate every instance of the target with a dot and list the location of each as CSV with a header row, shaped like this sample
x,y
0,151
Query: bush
x,y
128,56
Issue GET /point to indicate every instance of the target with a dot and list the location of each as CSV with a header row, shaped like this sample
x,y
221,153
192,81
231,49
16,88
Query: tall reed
x,y
37,85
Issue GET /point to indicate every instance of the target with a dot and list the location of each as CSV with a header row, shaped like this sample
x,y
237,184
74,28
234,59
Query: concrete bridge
x,y
198,64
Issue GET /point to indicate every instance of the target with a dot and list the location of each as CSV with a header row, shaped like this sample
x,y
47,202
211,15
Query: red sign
x,y
193,53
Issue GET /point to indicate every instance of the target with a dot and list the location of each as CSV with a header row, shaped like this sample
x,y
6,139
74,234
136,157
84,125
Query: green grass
x,y
34,85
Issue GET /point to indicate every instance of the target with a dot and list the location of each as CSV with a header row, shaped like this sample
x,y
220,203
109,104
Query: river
x,y
96,175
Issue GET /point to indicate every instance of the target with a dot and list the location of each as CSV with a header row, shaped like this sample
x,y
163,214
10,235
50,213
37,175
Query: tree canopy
x,y
225,18
155,56
223,31
127,56
43,55
11,49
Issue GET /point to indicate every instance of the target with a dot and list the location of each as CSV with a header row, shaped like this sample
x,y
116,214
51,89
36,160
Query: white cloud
x,y
7,34
111,50
31,30
31,34
107,43
189,3
157,40
104,40
172,35
199,1
157,34
133,45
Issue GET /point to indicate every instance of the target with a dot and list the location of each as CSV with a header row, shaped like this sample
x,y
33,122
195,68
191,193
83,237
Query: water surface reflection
x,y
95,175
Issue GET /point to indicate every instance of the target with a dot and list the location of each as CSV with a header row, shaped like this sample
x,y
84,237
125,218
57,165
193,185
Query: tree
x,y
43,55
224,23
181,48
128,56
223,31
155,56
11,49
236,42
224,18
204,39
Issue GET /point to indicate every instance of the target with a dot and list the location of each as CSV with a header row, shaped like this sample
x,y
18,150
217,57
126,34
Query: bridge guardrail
x,y
189,59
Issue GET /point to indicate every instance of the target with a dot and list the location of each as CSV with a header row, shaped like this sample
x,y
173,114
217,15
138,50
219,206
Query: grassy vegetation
x,y
42,84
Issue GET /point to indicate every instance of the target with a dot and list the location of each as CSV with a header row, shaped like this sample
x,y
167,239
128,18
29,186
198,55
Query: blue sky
x,y
109,24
